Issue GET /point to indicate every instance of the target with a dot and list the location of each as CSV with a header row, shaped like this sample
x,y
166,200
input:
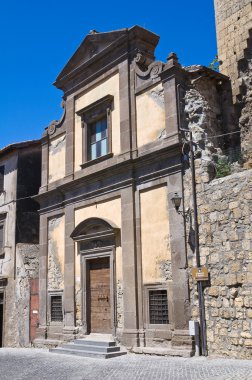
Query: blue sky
x,y
38,37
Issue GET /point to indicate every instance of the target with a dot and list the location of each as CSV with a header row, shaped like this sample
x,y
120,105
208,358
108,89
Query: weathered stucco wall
x,y
27,269
8,211
10,178
57,158
150,115
156,256
56,252
17,297
7,262
107,87
226,249
111,211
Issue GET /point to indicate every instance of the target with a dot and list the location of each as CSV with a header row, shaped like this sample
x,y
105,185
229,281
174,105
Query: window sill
x,y
96,160
55,323
158,326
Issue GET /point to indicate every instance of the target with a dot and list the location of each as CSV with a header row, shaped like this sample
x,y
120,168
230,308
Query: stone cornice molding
x,y
51,129
146,69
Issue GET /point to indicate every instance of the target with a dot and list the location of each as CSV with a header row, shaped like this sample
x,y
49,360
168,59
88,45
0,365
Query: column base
x,y
41,332
181,338
130,338
70,333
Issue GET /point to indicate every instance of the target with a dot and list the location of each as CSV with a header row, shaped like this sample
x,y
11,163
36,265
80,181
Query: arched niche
x,y
95,234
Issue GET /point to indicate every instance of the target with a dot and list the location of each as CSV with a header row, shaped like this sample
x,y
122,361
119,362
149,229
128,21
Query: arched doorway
x,y
97,240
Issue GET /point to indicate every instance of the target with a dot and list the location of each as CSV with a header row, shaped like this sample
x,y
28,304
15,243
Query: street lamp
x,y
176,201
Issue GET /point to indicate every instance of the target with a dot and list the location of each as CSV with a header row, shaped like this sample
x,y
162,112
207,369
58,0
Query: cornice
x,y
124,173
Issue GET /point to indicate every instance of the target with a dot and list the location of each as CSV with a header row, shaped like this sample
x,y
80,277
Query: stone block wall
x,y
233,22
225,228
234,38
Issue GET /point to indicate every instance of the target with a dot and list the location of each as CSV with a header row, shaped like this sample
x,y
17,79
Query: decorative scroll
x,y
145,70
57,123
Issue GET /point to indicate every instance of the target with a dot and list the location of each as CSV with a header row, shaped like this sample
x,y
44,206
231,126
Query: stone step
x,y
93,346
105,343
174,351
90,347
90,354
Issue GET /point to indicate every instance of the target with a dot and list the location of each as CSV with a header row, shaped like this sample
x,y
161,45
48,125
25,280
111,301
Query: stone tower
x,y
233,24
234,39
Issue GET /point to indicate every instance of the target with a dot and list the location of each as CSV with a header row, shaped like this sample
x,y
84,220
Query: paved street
x,y
29,364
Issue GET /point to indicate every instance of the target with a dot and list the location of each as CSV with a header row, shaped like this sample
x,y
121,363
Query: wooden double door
x,y
99,302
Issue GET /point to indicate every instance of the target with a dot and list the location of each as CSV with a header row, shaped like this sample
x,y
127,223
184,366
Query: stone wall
x,y
226,249
17,325
225,232
233,22
234,37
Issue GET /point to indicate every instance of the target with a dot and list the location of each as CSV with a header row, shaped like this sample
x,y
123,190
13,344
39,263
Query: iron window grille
x,y
56,309
158,307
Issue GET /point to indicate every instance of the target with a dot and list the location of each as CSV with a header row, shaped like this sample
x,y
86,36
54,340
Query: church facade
x,y
113,249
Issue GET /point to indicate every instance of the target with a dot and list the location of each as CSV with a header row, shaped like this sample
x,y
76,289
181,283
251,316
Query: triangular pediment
x,y
93,44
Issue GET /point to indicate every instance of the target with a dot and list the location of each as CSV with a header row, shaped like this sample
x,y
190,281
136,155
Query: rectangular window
x,y
1,179
2,233
56,309
158,307
98,140
97,130
1,238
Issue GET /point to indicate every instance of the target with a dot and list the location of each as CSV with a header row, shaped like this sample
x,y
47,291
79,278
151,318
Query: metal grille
x,y
56,309
158,307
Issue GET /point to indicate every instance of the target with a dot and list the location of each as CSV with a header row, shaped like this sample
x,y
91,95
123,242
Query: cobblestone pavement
x,y
29,364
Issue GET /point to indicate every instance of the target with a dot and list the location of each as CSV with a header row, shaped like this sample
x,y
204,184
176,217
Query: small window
x,y
2,233
56,309
1,237
158,307
1,179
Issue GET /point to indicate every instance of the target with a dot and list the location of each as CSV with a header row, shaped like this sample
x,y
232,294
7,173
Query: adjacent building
x,y
20,168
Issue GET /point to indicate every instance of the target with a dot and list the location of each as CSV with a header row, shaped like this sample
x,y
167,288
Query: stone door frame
x,y
86,256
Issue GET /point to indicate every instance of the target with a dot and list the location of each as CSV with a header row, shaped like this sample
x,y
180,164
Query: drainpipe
x,y
197,253
196,230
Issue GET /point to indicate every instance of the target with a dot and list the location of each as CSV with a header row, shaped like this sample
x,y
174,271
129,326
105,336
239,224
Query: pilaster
x,y
181,312
172,77
130,331
124,96
44,161
69,275
69,123
43,264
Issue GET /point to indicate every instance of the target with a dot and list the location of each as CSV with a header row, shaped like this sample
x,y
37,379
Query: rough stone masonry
x,y
234,37
226,249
